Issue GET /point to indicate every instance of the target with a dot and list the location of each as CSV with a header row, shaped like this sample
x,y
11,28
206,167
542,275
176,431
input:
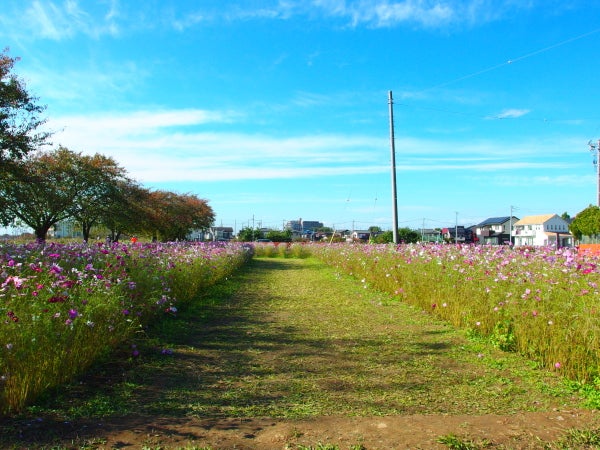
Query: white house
x,y
212,234
65,229
544,230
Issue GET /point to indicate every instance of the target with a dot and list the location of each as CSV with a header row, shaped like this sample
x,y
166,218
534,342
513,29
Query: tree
x,y
405,236
586,223
128,212
43,190
248,234
19,117
280,236
173,216
324,230
101,191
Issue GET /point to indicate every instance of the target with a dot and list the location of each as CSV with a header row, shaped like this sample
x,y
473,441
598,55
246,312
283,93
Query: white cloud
x,y
65,19
170,145
387,14
85,86
59,20
182,145
567,181
428,13
511,114
139,122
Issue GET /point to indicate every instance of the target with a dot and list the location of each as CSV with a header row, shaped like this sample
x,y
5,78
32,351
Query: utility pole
x,y
595,149
510,225
456,229
393,161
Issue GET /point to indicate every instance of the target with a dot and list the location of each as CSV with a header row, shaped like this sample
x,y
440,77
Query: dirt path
x,y
290,353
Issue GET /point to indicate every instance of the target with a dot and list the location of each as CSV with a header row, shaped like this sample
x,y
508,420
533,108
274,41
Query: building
x,y
67,228
458,234
360,235
543,230
212,234
431,235
302,227
495,230
220,233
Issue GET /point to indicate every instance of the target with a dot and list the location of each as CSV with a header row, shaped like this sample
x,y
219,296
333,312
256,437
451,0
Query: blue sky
x,y
276,110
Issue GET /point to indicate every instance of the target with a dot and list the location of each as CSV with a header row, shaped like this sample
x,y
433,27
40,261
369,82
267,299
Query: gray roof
x,y
495,221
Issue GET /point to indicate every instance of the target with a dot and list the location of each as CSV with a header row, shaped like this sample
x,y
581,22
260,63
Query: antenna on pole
x,y
393,160
595,150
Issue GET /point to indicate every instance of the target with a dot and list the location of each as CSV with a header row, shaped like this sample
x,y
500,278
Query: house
x,y
220,233
431,235
360,235
495,230
543,230
458,234
67,228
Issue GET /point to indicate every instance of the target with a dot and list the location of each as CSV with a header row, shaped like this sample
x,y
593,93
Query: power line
x,y
487,117
511,61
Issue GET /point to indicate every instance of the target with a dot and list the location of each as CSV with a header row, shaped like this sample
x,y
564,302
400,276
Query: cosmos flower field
x,y
541,302
62,307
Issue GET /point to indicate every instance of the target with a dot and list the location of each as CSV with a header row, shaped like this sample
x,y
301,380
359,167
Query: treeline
x,y
40,187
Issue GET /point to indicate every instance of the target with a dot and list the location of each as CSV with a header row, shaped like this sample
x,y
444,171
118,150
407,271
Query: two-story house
x,y
212,234
543,230
495,230
431,235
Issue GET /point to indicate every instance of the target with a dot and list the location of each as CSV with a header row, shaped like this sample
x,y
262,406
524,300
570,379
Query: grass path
x,y
290,339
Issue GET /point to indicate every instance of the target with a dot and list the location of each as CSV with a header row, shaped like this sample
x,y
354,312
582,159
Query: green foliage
x,y
455,443
280,236
586,223
248,234
590,391
503,336
19,116
281,250
405,236
321,446
580,439
46,190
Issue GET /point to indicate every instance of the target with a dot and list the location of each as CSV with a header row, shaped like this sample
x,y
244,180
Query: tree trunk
x,y
41,232
85,230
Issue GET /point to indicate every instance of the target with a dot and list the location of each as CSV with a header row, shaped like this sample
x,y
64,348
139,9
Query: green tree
x,y
43,190
128,212
324,230
280,236
586,223
248,234
19,117
405,236
104,178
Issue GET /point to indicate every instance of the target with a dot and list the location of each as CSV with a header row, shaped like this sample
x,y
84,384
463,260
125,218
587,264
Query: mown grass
x,y
292,339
